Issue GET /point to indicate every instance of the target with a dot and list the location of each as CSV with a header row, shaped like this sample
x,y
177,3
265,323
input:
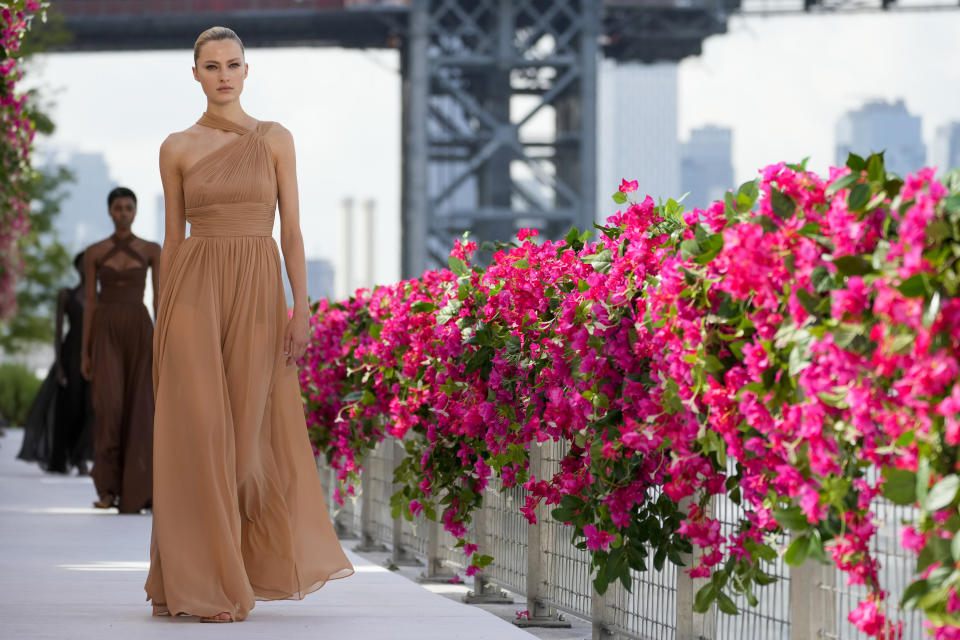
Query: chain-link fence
x,y
540,562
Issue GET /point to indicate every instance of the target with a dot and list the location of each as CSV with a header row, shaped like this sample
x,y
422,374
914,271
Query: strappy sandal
x,y
160,610
217,618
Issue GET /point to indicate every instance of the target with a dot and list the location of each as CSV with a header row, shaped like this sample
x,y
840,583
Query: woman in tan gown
x,y
238,511
116,356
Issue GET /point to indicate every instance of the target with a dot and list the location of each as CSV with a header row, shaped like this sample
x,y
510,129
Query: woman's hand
x,y
296,337
86,367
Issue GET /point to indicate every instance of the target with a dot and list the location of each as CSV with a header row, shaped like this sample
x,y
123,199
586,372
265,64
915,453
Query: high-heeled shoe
x,y
160,610
106,501
217,618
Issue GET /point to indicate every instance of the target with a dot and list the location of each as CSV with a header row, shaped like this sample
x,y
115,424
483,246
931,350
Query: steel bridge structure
x,y
476,75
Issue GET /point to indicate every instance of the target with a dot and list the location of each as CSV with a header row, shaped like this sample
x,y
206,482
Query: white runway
x,y
70,572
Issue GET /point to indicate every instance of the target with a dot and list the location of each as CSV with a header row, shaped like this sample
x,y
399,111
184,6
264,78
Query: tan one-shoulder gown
x,y
238,510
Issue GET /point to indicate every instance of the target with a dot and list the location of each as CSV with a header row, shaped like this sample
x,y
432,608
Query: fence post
x,y
813,601
483,591
692,625
401,556
539,611
599,612
436,571
367,540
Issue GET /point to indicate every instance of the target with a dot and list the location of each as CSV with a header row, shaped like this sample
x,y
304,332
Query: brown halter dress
x,y
238,513
121,350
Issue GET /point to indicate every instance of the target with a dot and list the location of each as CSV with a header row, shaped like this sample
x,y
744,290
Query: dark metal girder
x,y
262,28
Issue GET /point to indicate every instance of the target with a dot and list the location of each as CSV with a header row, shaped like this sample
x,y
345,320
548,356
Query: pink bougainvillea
x,y
15,146
794,347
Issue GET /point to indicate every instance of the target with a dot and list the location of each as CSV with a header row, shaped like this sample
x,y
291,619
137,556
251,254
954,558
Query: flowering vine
x,y
15,146
793,347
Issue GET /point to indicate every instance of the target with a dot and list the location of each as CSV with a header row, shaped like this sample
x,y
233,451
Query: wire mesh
x,y
896,572
568,568
770,619
379,464
506,536
649,609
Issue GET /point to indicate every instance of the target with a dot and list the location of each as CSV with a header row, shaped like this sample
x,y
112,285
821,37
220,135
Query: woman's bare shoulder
x,y
97,249
178,142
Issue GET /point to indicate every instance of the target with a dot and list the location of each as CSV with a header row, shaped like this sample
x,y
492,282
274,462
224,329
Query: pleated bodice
x,y
232,191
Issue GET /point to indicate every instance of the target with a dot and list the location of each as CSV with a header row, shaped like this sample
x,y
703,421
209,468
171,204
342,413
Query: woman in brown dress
x,y
116,358
238,512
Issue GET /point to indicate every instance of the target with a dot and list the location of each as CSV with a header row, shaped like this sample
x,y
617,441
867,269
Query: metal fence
x,y
539,562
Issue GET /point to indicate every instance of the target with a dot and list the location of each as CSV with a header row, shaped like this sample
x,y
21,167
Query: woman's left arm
x,y
291,242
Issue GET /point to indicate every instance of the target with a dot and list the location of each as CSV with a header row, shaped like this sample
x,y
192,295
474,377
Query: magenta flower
x,y
597,539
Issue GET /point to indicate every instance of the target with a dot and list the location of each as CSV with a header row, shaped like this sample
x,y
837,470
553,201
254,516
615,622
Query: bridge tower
x,y
484,82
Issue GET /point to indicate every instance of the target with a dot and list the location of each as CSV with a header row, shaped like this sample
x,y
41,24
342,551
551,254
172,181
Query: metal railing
x,y
540,563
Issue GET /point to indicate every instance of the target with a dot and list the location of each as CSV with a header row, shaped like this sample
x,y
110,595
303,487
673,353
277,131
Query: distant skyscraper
x,y
946,147
83,215
883,126
706,165
637,130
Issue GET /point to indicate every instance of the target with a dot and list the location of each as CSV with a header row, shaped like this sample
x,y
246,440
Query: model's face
x,y
123,210
221,70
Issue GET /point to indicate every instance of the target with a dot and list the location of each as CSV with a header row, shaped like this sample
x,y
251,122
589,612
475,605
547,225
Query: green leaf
x,y
705,597
913,593
601,260
943,493
620,197
562,514
797,361
900,486
796,553
449,312
815,550
458,266
792,519
856,163
914,286
766,222
931,310
852,265
422,306
859,197
875,169
846,333
955,548
809,301
689,249
726,604
843,182
782,204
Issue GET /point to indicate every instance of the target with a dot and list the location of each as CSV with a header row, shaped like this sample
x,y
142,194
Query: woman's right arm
x,y
90,267
174,215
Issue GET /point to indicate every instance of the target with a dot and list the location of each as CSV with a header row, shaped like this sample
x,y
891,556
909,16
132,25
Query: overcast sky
x,y
780,83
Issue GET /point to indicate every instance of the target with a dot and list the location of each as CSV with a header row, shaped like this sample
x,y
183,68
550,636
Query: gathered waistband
x,y
232,219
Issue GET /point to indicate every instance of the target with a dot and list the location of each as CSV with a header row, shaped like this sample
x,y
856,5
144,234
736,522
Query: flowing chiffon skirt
x,y
239,513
